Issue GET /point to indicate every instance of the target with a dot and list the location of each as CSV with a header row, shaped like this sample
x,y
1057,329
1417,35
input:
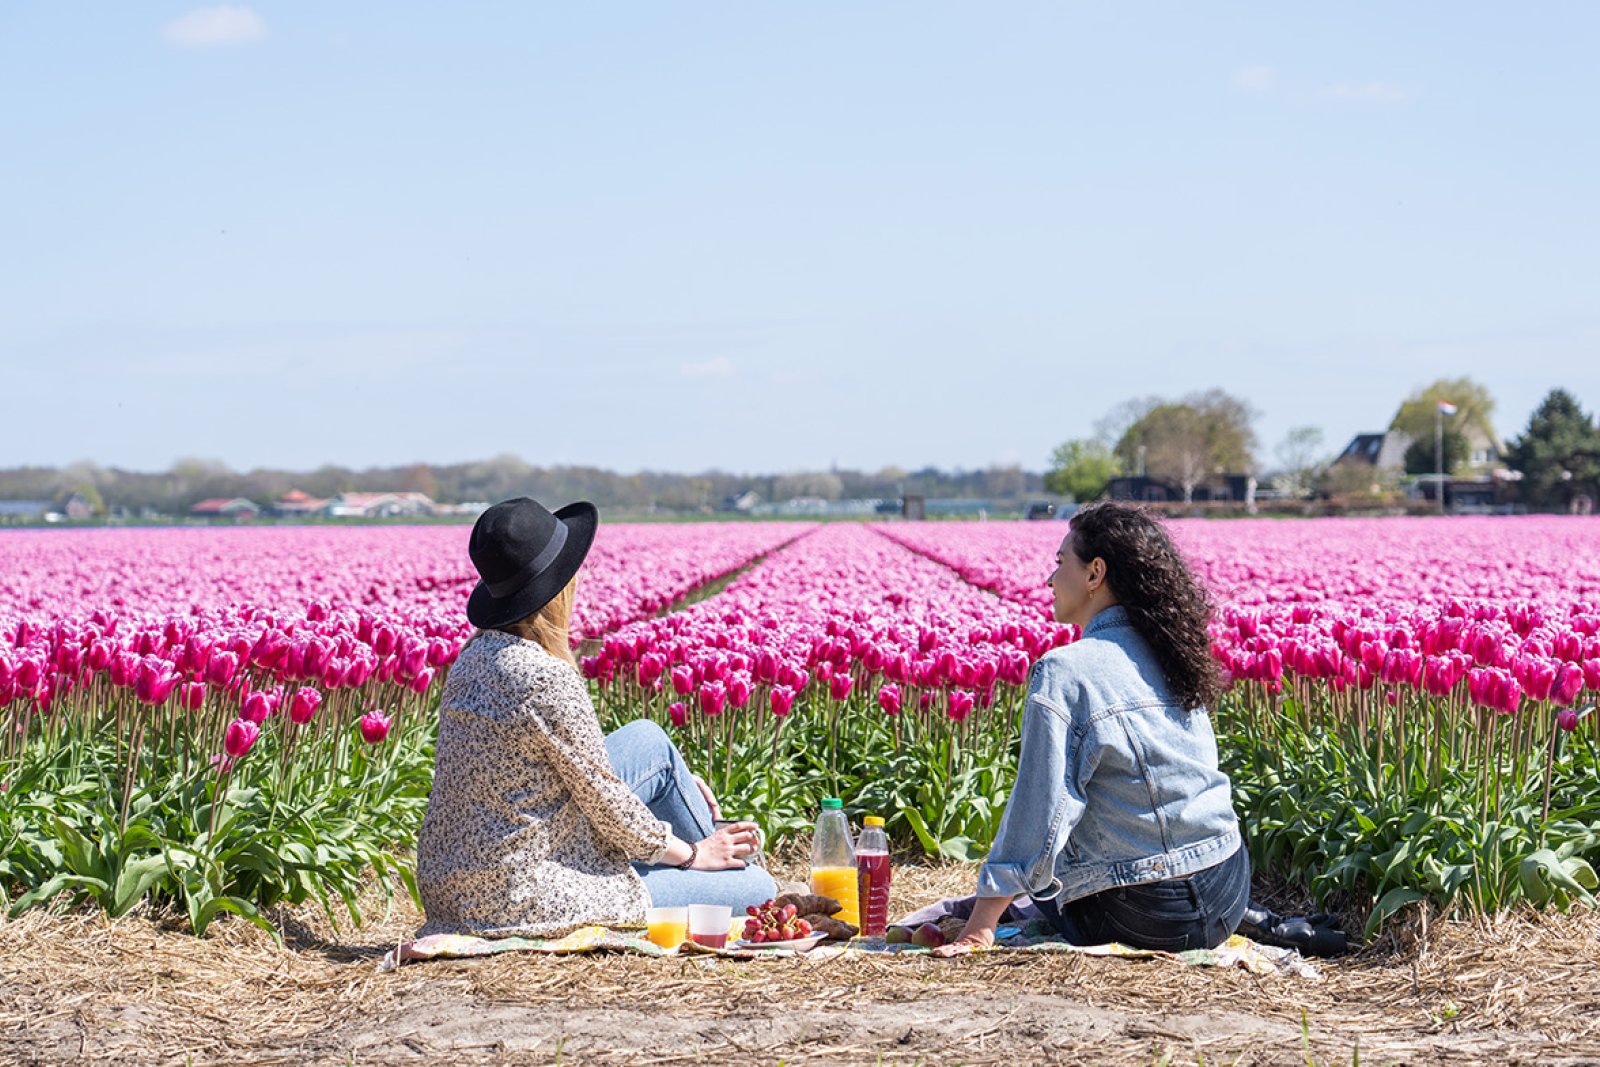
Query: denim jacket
x,y
1117,784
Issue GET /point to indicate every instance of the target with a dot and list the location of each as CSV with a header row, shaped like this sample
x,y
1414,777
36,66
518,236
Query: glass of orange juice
x,y
667,927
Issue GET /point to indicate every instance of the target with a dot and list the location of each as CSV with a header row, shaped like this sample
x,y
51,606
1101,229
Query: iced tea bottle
x,y
833,860
872,877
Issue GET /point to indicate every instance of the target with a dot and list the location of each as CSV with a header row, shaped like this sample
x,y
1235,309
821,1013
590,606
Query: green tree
x,y
1299,458
1188,440
1558,454
1422,457
1473,416
1081,469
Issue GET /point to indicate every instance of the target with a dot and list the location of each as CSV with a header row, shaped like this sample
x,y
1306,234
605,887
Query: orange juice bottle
x,y
833,861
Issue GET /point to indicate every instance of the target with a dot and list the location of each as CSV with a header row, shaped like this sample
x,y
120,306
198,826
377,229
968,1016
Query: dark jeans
x,y
1199,911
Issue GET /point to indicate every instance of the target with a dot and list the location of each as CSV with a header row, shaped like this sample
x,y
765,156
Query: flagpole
x,y
1438,453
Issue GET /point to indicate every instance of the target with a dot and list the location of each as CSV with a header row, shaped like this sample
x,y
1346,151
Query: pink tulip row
x,y
633,571
1496,610
257,621
841,609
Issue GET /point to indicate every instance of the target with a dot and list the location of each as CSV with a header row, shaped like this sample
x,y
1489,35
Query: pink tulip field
x,y
232,717
1413,699
222,719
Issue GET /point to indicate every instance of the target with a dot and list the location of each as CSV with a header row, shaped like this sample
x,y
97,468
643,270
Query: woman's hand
x,y
711,798
971,939
727,848
979,931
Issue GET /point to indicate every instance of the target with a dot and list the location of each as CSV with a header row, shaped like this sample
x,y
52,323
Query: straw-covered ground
x,y
81,988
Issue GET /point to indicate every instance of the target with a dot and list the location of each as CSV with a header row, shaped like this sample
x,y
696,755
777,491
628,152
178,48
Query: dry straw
x,y
81,988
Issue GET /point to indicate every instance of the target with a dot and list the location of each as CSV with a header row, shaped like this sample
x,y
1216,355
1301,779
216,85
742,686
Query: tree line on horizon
x,y
174,491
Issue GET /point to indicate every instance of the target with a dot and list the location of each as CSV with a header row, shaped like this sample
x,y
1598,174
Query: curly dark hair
x,y
1150,578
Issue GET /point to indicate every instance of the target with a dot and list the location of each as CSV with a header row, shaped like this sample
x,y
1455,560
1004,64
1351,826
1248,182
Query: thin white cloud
x,y
719,367
1254,79
216,27
1373,92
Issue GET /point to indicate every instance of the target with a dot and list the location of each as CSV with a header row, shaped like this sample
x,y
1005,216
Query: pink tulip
x,y
294,661
270,649
839,686
782,700
713,697
192,695
738,690
154,683
28,675
1567,719
374,727
240,737
69,658
1440,675
651,666
1536,675
678,712
682,680
961,704
303,707
889,699
221,667
1568,684
100,653
256,708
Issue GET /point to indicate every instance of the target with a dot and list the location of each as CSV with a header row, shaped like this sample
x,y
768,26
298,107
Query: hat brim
x,y
486,611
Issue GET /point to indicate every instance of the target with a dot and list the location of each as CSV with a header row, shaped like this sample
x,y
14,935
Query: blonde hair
x,y
551,626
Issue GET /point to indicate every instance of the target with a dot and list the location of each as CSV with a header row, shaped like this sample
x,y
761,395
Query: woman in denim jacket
x,y
1120,826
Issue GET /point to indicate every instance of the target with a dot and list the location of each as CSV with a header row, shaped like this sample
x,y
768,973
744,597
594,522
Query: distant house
x,y
75,506
220,508
742,502
1385,452
1483,449
378,505
296,503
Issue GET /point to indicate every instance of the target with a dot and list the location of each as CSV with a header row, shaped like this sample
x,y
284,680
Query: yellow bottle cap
x,y
872,820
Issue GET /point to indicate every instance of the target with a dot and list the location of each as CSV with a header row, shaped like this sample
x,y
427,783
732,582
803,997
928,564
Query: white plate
x,y
799,944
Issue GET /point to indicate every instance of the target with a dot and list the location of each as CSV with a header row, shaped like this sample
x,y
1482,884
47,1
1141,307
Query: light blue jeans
x,y
647,761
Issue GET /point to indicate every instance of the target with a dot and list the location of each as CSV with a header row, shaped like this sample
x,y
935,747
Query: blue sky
x,y
769,237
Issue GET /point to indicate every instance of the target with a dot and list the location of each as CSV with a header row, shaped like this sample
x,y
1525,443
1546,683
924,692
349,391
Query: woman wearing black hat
x,y
537,823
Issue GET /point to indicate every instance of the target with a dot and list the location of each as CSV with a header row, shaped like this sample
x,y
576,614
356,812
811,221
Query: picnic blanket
x,y
1029,936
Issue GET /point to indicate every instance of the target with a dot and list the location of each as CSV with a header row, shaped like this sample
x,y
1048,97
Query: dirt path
x,y
82,989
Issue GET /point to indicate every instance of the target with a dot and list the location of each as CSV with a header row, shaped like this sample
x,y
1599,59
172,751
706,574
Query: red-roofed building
x,y
298,503
238,509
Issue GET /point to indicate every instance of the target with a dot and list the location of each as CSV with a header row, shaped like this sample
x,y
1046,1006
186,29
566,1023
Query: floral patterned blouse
x,y
528,831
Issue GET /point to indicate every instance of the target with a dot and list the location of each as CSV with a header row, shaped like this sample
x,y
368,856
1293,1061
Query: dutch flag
x,y
1446,408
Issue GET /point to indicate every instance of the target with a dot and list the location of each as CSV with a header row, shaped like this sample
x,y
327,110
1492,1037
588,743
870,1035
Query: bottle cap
x,y
872,820
832,804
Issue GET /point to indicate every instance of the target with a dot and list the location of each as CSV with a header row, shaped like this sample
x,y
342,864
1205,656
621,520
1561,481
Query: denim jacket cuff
x,y
1003,880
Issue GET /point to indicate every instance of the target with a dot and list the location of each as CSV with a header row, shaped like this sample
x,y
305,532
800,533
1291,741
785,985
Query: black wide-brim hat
x,y
525,555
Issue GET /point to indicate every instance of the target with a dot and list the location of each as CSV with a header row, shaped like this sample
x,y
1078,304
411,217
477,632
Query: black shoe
x,y
1308,936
